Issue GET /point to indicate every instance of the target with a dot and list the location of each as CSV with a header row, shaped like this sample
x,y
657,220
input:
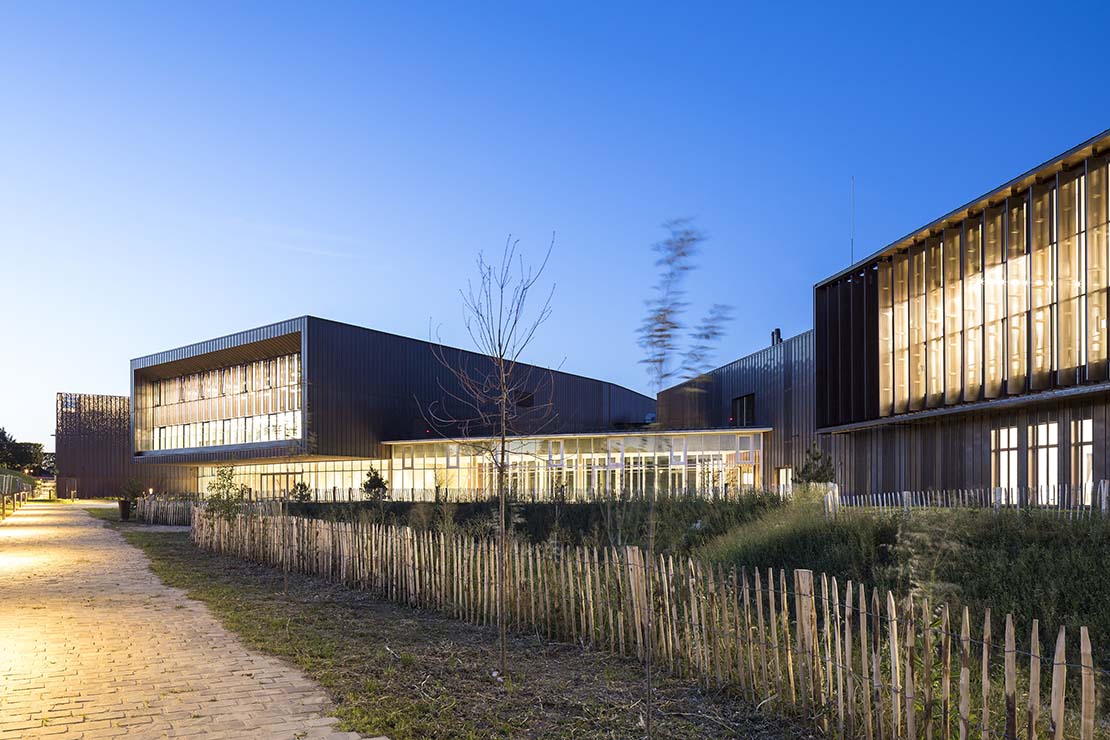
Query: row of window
x,y
1009,300
274,372
245,430
1044,459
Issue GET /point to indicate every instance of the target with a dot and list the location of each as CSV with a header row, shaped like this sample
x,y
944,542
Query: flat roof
x,y
275,338
1088,148
615,433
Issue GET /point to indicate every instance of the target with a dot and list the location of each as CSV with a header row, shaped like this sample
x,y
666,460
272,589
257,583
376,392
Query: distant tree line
x,y
24,456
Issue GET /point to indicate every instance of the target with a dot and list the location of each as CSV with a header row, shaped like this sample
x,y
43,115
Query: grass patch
x,y
1033,565
412,674
860,548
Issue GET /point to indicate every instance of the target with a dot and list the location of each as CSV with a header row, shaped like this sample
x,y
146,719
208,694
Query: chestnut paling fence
x,y
856,662
162,510
1064,500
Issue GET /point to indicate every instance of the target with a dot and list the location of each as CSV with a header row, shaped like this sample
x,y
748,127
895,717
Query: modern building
x,y
973,351
93,450
772,390
320,402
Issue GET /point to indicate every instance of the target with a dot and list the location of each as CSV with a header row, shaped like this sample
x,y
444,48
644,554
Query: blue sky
x,y
177,171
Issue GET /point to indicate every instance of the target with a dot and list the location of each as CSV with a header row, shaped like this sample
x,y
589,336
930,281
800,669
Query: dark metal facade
x,y
781,378
93,450
363,387
953,451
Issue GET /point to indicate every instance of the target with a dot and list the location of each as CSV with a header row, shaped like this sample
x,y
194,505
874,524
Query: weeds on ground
x,y
411,674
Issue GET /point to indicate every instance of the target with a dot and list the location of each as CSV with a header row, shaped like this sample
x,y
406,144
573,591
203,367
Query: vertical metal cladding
x,y
363,387
93,450
782,379
366,387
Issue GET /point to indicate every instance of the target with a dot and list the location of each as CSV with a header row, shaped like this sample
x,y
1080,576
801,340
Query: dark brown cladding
x,y
363,387
780,382
846,359
954,451
94,454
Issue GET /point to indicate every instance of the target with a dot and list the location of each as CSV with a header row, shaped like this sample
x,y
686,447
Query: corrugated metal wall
x,y
93,450
367,387
363,387
781,377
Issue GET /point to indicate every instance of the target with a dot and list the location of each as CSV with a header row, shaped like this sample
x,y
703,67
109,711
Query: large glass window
x,y
1004,460
1042,281
1071,279
953,317
1082,460
901,333
917,327
191,410
934,312
743,411
1096,231
886,338
1044,456
994,304
973,308
1017,294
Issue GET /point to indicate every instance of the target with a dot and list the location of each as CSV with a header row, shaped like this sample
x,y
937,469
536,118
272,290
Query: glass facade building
x,y
256,401
973,351
1005,301
574,467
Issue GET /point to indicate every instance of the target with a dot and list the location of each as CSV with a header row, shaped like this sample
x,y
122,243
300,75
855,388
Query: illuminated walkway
x,y
93,645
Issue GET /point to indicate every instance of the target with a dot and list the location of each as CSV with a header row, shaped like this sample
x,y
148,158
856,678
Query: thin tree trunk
x,y
650,608
501,540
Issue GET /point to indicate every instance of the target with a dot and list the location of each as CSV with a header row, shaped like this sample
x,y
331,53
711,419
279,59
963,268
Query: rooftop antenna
x,y
852,219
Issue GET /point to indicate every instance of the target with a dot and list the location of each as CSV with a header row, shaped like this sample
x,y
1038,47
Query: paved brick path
x,y
93,645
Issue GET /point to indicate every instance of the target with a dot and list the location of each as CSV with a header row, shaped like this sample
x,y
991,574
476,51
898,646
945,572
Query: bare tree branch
x,y
487,402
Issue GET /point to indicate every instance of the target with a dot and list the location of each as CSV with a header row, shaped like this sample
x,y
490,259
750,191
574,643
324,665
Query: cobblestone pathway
x,y
93,645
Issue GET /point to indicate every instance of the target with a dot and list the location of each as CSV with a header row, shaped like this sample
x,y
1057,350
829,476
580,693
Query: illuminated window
x,y
1082,460
1044,452
901,333
994,305
1017,293
886,339
953,317
1004,460
1042,281
917,335
934,313
1096,186
973,308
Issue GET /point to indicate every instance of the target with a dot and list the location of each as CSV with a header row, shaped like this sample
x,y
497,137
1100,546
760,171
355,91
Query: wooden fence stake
x,y
965,677
1087,710
985,720
1059,676
1034,681
895,667
1011,680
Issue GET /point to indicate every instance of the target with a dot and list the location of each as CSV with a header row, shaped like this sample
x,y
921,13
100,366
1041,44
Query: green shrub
x,y
682,523
1033,565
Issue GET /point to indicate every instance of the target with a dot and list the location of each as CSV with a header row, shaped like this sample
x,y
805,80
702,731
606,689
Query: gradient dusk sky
x,y
172,172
